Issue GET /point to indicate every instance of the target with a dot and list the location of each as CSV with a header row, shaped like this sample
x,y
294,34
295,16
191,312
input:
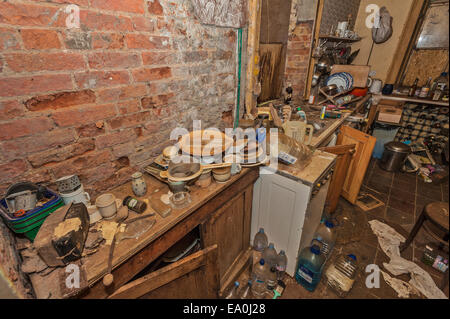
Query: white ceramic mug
x,y
78,196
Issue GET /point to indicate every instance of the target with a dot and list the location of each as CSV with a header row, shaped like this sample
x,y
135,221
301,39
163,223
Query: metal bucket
x,y
394,156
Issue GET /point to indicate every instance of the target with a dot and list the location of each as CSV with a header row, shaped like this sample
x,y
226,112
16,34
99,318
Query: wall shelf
x,y
337,39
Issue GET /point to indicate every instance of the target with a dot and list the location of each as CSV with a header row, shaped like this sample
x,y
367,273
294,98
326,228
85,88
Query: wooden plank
x,y
165,275
406,39
312,61
254,10
241,263
318,140
344,154
360,73
358,167
271,85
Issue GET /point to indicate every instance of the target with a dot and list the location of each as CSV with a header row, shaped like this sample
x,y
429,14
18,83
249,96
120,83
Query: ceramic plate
x,y
339,81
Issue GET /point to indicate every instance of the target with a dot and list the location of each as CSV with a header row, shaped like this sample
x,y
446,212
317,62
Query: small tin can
x,y
135,205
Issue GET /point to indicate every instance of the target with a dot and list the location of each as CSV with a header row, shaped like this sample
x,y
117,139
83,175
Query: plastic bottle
x,y
260,242
270,256
309,267
259,276
281,265
234,292
326,235
342,274
247,292
272,279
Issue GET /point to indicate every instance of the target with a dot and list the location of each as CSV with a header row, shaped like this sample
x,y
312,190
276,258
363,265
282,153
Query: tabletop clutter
x,y
63,223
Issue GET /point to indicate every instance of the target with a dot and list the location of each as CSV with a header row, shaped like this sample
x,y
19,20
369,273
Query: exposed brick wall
x,y
101,101
298,51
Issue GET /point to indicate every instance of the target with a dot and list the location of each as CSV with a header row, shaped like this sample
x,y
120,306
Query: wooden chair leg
x,y
414,232
445,280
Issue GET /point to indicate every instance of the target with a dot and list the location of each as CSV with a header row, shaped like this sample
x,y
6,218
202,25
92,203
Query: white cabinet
x,y
288,211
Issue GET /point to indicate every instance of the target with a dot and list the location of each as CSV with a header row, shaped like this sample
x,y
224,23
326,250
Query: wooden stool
x,y
437,214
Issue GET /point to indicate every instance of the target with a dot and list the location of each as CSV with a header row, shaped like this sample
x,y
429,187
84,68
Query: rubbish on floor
x,y
368,202
234,292
390,242
259,277
435,257
341,275
260,242
403,289
278,291
247,292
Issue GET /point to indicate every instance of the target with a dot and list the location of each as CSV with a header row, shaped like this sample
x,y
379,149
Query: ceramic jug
x,y
297,131
138,184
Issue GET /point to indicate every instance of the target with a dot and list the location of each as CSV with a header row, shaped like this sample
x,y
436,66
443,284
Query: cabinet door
x,y
360,161
343,161
279,207
229,229
194,277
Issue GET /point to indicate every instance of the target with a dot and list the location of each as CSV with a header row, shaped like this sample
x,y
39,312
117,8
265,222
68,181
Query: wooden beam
x,y
254,31
315,42
407,40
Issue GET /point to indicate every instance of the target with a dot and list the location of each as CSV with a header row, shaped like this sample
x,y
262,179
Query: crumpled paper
x,y
390,242
402,288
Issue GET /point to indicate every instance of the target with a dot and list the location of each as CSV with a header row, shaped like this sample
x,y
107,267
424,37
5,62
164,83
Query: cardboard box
x,y
390,111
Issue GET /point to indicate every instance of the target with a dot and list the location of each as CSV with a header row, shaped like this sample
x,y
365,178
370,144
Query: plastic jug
x,y
270,256
342,274
326,235
281,265
272,279
309,267
259,277
260,241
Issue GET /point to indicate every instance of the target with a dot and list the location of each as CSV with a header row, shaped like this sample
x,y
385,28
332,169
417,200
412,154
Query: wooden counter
x,y
403,98
223,212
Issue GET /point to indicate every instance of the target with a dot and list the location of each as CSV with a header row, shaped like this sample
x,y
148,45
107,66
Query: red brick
x,y
11,170
145,24
108,41
123,150
154,7
25,62
102,22
122,93
102,60
61,154
10,110
83,115
9,39
116,138
24,127
144,75
92,175
40,39
26,14
135,6
119,178
159,58
60,100
79,164
128,107
157,101
197,56
130,120
141,41
84,3
35,84
98,79
26,145
90,130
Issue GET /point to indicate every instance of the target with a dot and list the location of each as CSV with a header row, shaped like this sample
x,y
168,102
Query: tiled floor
x,y
405,196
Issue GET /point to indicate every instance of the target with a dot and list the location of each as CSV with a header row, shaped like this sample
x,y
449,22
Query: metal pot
x,y
394,156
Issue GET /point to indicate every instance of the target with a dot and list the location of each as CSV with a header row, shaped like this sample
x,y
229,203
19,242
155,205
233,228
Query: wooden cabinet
x,y
229,229
360,161
344,153
194,277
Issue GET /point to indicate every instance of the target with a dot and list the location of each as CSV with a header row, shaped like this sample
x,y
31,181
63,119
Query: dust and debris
x,y
67,226
403,289
108,230
33,264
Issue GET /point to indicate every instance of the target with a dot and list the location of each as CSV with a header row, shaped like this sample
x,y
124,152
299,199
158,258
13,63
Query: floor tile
x,y
399,217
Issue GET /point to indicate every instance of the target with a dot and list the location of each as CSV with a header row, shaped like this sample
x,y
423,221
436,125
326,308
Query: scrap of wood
x,y
108,230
